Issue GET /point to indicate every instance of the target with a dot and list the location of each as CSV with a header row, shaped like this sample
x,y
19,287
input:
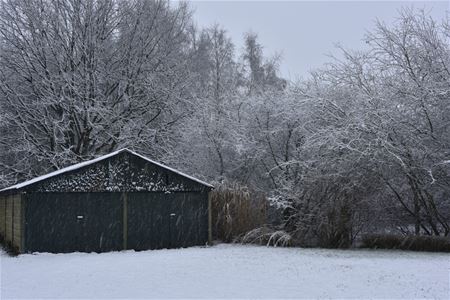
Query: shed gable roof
x,y
95,160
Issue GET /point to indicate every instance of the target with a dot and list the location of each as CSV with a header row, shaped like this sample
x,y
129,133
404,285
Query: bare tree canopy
x,y
79,78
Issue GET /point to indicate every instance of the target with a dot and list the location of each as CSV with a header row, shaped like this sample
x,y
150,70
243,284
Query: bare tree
x,y
79,78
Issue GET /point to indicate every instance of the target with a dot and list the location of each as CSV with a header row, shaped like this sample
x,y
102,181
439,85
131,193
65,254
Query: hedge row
x,y
409,242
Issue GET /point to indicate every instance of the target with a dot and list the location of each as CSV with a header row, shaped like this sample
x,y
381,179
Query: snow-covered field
x,y
228,271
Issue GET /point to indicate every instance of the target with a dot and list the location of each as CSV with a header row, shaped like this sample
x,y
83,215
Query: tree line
x,y
361,145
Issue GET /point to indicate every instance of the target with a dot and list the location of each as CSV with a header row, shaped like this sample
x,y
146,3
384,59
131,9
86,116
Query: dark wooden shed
x,y
119,201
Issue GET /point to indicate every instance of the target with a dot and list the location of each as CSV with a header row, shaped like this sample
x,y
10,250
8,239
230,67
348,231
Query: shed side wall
x,y
11,220
8,219
17,222
2,216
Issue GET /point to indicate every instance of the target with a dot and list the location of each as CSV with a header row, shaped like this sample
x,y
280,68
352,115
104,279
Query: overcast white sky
x,y
304,32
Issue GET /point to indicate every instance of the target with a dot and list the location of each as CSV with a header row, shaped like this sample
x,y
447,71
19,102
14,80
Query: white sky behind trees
x,y
304,32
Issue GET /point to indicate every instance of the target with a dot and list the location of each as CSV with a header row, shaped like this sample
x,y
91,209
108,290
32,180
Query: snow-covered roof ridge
x,y
95,160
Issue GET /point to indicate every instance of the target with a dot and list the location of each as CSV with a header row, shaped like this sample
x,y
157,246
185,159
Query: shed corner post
x,y
209,218
125,220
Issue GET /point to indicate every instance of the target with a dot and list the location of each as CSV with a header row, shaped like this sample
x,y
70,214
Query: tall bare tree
x,y
81,78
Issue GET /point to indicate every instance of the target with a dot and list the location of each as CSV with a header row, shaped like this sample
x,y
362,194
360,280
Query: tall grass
x,y
236,210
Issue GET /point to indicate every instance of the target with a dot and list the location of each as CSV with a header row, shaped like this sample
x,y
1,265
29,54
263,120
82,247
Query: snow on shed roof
x,y
92,161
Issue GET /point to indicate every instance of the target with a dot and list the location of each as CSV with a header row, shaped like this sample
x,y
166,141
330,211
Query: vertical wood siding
x,y
2,216
17,222
11,220
8,222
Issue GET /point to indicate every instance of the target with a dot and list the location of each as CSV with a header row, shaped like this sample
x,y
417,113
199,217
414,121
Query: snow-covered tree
x,y
81,78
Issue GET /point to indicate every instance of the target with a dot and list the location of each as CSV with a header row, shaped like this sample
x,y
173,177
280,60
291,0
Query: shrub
x,y
408,242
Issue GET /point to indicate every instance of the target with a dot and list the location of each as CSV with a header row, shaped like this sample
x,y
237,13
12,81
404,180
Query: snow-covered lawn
x,y
228,271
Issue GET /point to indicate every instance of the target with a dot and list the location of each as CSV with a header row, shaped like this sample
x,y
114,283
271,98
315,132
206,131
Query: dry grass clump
x,y
268,236
236,210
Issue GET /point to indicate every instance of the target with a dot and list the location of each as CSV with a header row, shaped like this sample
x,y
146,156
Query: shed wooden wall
x,y
11,228
2,216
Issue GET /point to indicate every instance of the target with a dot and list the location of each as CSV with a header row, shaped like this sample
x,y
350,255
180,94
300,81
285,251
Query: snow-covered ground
x,y
228,271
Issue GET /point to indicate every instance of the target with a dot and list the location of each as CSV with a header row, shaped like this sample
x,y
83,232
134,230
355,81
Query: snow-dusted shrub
x,y
236,210
320,214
